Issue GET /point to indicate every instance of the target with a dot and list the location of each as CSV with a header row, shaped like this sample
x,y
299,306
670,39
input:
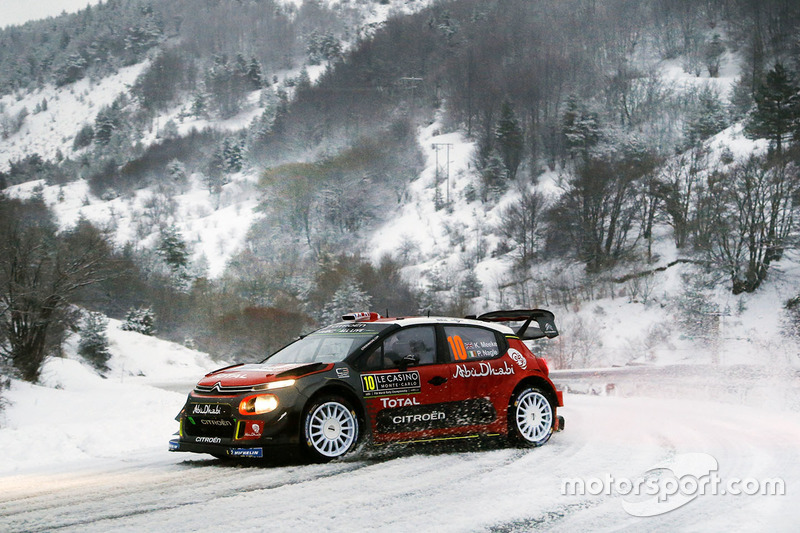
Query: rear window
x,y
467,343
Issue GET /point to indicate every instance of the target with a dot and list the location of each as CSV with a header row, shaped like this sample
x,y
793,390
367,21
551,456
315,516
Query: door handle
x,y
437,380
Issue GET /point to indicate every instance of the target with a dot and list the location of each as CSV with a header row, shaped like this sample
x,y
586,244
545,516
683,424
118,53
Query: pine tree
x,y
713,55
199,105
741,100
330,47
173,250
228,84
313,48
303,80
93,345
509,137
492,177
176,170
709,118
281,114
438,201
581,129
73,69
777,111
107,121
255,74
241,65
84,137
231,156
348,297
141,320
470,286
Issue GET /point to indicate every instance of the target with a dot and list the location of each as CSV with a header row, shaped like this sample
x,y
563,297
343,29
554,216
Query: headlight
x,y
256,405
282,384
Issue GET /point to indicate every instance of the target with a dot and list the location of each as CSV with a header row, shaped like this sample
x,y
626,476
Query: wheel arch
x,y
345,392
540,383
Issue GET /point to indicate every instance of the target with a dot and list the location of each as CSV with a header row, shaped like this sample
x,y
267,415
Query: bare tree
x,y
599,204
39,270
677,188
294,186
752,218
520,224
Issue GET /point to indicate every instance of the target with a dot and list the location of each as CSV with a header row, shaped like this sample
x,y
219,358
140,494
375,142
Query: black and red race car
x,y
384,379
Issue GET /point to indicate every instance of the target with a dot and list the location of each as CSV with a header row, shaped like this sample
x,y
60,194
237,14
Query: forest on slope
x,y
571,89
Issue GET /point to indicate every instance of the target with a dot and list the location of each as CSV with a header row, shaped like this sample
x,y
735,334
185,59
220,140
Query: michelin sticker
x,y
246,452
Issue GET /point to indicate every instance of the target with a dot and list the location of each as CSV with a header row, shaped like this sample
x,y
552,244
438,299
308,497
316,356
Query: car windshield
x,y
330,344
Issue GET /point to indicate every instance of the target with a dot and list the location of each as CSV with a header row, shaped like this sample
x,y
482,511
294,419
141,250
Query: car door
x,y
476,372
405,386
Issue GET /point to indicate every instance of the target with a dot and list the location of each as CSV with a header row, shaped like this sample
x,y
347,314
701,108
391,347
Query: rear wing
x,y
536,323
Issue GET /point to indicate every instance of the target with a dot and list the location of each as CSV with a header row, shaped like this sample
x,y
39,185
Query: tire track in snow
x,y
96,497
496,488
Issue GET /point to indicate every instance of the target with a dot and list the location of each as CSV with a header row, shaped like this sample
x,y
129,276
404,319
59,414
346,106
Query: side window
x,y
467,343
419,341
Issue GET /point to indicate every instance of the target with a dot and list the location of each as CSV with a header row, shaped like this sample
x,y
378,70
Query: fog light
x,y
256,405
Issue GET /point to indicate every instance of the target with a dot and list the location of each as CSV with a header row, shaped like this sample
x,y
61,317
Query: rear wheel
x,y
330,428
530,417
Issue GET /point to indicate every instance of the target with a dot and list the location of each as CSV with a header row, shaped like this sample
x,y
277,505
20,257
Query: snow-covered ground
x,y
608,440
74,414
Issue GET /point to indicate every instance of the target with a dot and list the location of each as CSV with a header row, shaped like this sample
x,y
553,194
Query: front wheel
x,y
330,428
530,417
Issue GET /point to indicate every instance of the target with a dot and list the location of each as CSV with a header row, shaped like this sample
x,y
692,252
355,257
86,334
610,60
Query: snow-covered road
x,y
423,488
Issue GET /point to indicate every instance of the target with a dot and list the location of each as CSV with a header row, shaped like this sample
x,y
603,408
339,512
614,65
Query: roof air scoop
x,y
361,317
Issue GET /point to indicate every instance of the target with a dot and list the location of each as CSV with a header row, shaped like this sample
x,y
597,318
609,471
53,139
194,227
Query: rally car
x,y
383,380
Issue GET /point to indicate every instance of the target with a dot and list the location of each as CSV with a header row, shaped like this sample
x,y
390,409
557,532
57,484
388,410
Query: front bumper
x,y
213,424
253,452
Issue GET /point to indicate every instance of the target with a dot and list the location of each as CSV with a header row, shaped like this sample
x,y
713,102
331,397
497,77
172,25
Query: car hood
x,y
245,375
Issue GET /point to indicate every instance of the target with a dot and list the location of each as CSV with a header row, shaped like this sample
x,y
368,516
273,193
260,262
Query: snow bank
x,y
74,414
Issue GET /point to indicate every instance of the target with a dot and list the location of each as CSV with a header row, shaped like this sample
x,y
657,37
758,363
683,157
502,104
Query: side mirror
x,y
408,360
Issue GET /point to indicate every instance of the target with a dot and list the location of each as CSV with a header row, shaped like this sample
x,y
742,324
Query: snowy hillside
x,y
74,414
443,243
443,231
52,130
214,226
